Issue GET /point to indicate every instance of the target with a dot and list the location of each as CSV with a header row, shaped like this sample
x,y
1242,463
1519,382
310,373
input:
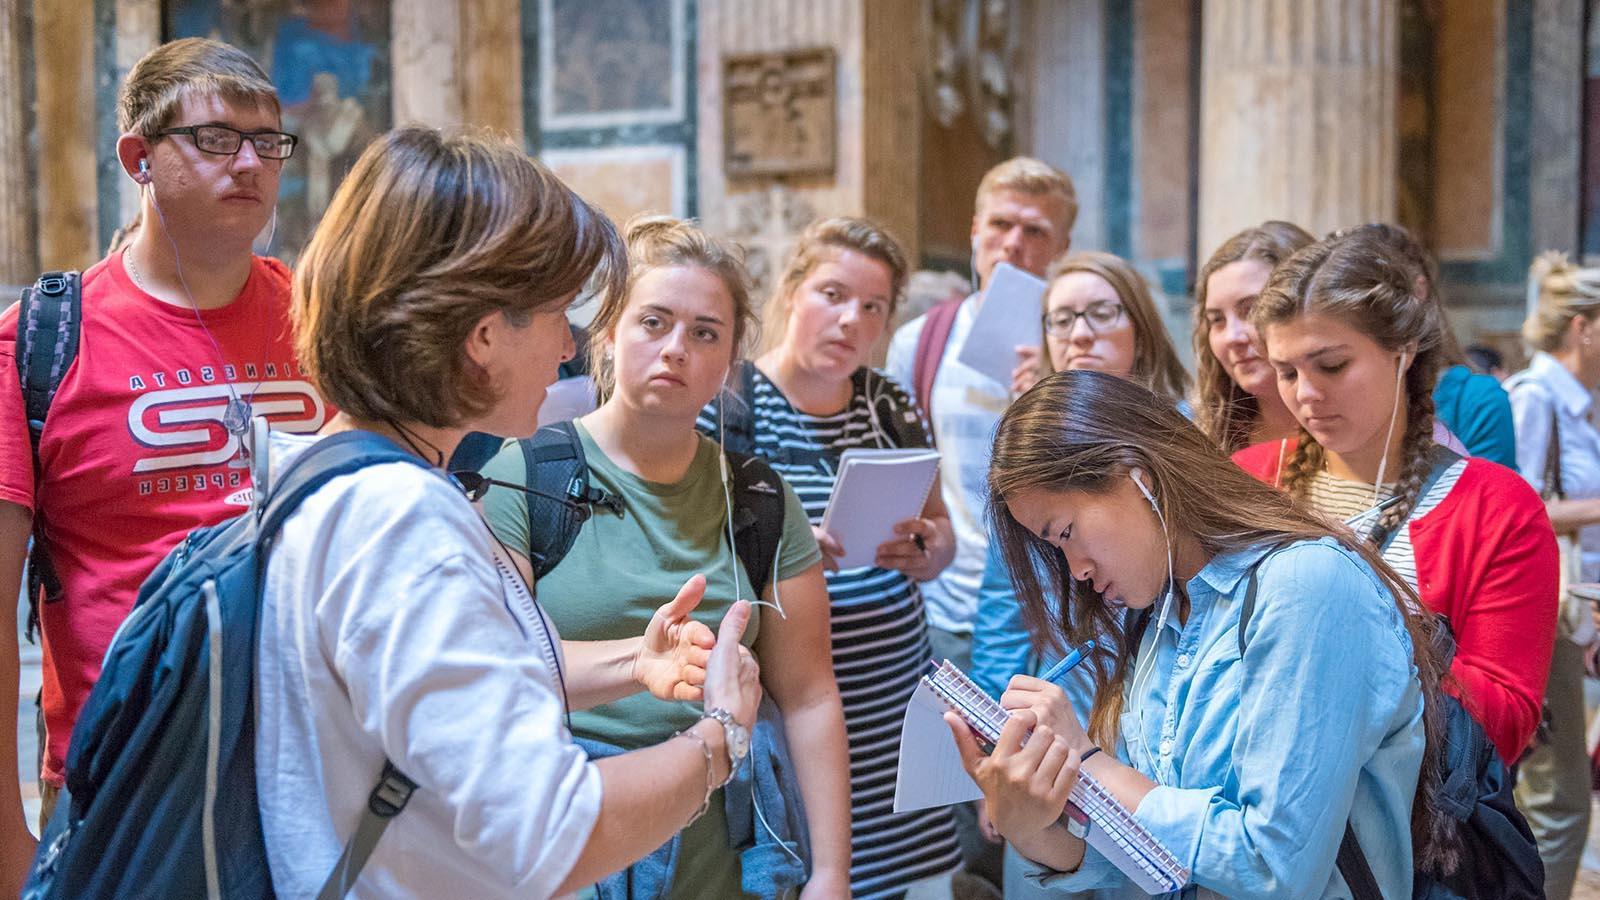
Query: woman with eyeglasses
x,y
1099,316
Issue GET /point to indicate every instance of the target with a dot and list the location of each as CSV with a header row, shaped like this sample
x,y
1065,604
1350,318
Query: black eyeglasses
x,y
225,141
1101,315
475,485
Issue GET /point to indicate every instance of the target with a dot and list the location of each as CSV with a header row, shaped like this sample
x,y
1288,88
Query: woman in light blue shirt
x,y
1113,509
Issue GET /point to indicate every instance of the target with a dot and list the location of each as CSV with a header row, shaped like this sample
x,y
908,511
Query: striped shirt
x,y
1342,500
880,641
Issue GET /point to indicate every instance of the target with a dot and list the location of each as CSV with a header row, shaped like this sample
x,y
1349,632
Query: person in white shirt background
x,y
1024,216
391,626
1554,397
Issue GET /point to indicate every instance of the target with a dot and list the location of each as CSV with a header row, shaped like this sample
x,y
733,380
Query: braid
x,y
1414,447
1304,463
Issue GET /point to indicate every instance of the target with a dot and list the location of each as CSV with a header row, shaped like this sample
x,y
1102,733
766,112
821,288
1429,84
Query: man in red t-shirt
x,y
184,334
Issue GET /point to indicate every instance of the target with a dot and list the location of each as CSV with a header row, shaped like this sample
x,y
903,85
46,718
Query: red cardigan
x,y
1486,561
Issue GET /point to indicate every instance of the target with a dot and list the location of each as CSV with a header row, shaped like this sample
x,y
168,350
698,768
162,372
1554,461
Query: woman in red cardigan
x,y
1356,355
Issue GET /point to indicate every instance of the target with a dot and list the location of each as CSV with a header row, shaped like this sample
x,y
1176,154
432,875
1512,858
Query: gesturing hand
x,y
671,662
733,680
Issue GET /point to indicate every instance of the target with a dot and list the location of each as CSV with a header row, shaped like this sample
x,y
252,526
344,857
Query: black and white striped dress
x,y
880,644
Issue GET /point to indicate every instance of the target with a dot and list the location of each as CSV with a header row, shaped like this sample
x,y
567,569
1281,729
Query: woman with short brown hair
x,y
432,302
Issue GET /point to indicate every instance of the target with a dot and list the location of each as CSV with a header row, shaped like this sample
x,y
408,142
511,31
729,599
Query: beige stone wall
x,y
1297,113
764,214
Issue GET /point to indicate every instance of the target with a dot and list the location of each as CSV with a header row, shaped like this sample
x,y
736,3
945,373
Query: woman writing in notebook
x,y
1098,315
660,353
803,403
1120,522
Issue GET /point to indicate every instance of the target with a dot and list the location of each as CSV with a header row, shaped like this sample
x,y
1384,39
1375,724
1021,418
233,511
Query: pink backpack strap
x,y
930,351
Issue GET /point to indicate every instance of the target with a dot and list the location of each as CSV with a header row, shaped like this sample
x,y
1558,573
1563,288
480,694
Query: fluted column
x,y
1297,114
19,258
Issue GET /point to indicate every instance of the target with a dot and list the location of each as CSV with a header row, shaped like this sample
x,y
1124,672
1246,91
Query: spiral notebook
x,y
1112,829
876,490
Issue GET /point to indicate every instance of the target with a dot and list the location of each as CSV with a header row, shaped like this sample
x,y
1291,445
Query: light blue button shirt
x,y
1259,762
1544,390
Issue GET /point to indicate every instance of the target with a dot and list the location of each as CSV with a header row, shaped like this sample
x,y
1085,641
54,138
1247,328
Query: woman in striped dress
x,y
807,399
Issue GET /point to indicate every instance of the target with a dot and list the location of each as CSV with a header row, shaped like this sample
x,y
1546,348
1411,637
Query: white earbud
x,y
144,171
1137,475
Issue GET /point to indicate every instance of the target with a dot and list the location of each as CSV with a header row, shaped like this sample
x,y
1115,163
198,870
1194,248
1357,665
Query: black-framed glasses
x,y
1101,315
225,141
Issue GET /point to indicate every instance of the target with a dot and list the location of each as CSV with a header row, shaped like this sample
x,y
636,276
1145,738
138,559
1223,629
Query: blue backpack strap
x,y
49,322
339,454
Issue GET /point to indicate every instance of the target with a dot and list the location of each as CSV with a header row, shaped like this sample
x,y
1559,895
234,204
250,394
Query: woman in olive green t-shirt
x,y
661,354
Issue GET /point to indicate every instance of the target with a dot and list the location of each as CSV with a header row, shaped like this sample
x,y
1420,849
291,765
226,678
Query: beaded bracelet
x,y
711,775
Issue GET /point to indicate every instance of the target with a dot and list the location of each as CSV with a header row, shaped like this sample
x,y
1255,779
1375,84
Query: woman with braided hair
x,y
1356,353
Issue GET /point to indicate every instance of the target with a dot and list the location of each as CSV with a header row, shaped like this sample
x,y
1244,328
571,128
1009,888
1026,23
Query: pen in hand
x,y
1060,669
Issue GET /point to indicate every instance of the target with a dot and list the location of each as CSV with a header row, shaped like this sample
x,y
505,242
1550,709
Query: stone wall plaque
x,y
779,113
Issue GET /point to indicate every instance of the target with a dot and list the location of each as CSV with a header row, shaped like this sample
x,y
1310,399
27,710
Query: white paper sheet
x,y
1012,314
930,772
567,399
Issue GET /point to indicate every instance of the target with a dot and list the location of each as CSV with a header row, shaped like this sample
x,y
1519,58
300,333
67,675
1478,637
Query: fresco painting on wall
x,y
611,62
330,62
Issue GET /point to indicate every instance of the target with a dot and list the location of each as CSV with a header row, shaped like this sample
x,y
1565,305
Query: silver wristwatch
x,y
737,737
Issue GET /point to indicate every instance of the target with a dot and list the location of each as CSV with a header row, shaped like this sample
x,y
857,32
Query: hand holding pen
x,y
1048,703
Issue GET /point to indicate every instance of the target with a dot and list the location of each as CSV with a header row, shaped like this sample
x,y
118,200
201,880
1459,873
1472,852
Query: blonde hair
x,y
1027,175
658,242
1558,292
1360,279
1155,360
158,82
815,246
426,236
1222,408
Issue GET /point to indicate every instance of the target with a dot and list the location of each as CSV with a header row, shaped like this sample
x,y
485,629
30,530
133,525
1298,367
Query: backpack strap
x,y
733,410
1353,866
900,422
758,508
49,322
554,463
931,345
385,802
1443,459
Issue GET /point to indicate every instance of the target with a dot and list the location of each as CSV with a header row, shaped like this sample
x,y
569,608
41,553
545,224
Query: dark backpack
x,y
556,467
160,799
49,319
900,422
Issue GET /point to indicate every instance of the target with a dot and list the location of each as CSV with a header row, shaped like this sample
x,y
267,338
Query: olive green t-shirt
x,y
619,571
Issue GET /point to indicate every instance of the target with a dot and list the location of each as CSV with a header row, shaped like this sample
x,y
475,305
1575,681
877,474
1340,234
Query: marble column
x,y
63,55
19,258
1297,114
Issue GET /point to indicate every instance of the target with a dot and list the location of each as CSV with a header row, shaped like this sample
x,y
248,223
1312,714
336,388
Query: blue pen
x,y
1060,669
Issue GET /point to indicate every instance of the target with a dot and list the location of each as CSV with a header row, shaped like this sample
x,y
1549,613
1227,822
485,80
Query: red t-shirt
x,y
134,454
